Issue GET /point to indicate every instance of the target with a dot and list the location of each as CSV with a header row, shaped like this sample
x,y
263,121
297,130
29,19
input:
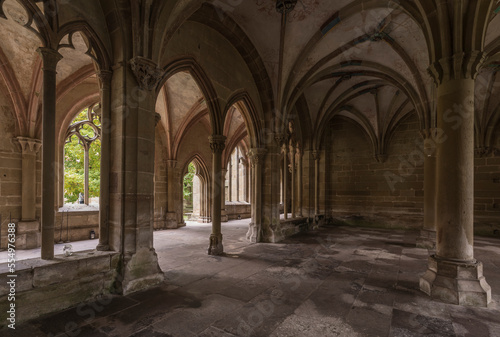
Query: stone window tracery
x,y
86,129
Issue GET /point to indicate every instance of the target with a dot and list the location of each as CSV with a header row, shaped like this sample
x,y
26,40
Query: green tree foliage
x,y
74,167
188,182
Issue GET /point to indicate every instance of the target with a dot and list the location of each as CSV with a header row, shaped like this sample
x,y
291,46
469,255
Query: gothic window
x,y
82,157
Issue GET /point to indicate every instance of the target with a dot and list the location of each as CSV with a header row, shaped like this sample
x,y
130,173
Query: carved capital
x,y
316,155
217,143
482,151
146,72
29,145
280,138
381,157
50,58
458,66
257,155
105,76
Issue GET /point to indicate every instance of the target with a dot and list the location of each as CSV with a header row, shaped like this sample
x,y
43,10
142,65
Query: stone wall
x,y
10,169
357,185
49,286
160,192
362,191
234,210
76,225
487,190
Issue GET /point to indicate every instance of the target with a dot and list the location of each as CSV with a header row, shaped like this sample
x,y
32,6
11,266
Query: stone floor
x,y
336,281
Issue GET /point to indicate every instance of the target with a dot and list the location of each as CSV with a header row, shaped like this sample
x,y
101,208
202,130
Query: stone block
x,y
27,226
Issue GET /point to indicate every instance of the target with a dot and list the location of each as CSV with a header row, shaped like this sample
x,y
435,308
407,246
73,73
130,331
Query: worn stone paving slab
x,y
185,322
335,281
410,324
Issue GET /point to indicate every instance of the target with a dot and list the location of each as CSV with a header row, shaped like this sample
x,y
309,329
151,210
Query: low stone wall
x,y
233,210
76,225
42,286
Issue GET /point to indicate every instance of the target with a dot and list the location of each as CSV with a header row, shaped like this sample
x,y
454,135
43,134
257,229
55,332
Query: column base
x,y
427,239
252,233
453,282
102,248
171,221
216,247
140,271
224,217
28,235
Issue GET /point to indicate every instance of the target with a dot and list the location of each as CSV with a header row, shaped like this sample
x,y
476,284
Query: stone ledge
x,y
36,273
48,286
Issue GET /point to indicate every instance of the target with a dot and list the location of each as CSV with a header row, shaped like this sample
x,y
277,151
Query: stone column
x,y
293,185
28,231
171,216
299,183
427,238
316,157
255,227
105,77
230,182
50,58
454,276
86,165
285,183
224,217
132,139
237,174
217,144
247,181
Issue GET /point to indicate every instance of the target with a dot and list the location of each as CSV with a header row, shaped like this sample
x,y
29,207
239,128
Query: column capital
x,y
29,145
463,65
381,157
50,58
280,138
171,163
428,133
316,155
147,72
105,76
256,155
217,143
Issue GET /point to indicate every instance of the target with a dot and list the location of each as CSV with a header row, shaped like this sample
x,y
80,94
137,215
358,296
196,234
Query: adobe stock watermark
x,y
89,310
455,116
288,281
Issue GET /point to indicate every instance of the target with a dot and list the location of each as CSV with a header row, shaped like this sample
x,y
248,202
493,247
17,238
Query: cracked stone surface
x,y
335,281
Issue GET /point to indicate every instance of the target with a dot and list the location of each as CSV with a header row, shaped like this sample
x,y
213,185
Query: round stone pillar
x,y
105,77
217,144
50,58
454,276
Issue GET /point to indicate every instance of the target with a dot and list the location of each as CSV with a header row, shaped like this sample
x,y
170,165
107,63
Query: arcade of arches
x,y
296,115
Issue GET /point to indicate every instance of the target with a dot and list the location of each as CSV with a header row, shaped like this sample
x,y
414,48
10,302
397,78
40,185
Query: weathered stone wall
x,y
10,167
388,193
49,286
363,191
487,190
234,210
76,225
160,192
